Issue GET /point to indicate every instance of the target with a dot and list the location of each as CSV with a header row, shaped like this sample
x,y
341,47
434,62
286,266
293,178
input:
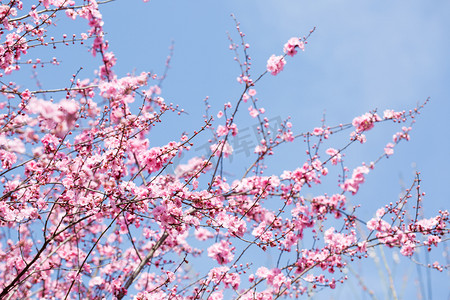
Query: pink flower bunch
x,y
275,64
118,220
406,236
393,115
402,135
221,252
193,168
335,155
352,184
225,275
338,241
365,122
290,48
389,149
222,147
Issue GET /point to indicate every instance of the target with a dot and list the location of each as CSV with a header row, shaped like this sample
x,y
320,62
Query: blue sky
x,y
364,55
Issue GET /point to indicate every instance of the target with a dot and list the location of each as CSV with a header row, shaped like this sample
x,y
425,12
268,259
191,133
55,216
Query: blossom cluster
x,y
92,206
275,64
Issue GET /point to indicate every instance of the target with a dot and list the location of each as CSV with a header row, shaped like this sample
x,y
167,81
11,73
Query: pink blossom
x,y
71,14
275,64
380,213
262,233
338,240
216,295
365,122
194,166
97,280
155,90
389,149
221,130
262,272
253,112
203,234
7,158
260,149
292,44
221,252
408,249
234,129
378,224
433,240
335,155
50,142
352,184
235,225
25,94
217,274
317,131
222,147
362,247
391,114
404,134
287,136
427,224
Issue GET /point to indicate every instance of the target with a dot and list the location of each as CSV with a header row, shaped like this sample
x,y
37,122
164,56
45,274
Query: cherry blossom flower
x,y
275,64
292,44
352,184
221,252
222,147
